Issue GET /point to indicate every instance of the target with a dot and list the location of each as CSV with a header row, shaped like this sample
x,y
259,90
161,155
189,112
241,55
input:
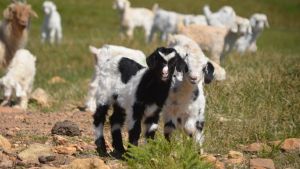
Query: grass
x,y
262,90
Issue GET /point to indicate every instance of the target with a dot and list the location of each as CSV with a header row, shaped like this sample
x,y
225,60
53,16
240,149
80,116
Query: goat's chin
x,y
164,79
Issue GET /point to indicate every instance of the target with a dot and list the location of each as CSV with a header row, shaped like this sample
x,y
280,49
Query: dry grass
x,y
260,97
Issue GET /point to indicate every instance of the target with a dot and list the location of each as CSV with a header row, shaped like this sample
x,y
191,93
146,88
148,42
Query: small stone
x,y
56,79
257,147
70,150
235,157
88,163
235,154
209,158
66,127
4,143
59,140
260,163
46,159
40,96
291,144
219,165
34,151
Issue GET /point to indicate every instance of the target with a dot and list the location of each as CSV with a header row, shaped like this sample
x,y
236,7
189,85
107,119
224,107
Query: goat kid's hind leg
x,y
135,123
99,120
116,122
151,124
199,135
7,96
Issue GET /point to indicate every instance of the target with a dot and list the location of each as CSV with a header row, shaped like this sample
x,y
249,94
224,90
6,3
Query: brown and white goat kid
x,y
14,30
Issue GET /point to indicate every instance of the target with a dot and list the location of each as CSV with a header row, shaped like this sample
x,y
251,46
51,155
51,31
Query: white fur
x,y
224,17
195,19
19,78
186,43
51,28
133,17
248,42
113,83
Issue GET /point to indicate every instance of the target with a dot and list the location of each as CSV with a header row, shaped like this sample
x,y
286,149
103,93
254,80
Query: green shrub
x,y
180,153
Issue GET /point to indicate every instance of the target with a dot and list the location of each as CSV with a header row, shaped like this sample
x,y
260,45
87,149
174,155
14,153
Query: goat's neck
x,y
184,88
230,40
255,34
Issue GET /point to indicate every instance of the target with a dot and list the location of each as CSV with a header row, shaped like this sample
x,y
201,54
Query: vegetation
x,y
260,97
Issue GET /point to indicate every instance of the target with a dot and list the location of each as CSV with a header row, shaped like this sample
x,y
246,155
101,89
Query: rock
x,y
235,157
219,165
257,147
56,79
235,154
4,143
6,161
69,150
40,96
209,158
291,144
66,127
88,163
59,140
261,163
34,151
46,159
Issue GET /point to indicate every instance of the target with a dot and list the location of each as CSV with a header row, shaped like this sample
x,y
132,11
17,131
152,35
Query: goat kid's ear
x,y
208,71
93,50
8,12
267,23
151,60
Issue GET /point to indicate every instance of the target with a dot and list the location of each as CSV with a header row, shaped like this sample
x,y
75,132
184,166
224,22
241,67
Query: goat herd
x,y
140,89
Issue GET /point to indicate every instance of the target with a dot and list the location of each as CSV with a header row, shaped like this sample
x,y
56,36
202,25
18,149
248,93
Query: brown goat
x,y
14,30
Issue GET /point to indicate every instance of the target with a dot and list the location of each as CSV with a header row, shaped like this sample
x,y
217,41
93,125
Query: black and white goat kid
x,y
140,95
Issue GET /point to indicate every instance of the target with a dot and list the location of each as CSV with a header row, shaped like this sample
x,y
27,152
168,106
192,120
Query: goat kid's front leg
x,y
169,126
151,124
135,123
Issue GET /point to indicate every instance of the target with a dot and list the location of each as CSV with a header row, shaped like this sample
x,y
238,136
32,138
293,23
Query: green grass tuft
x,y
180,153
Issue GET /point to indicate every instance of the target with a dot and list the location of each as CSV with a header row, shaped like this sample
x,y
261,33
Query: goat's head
x,y
121,4
163,61
49,7
196,67
20,13
241,26
259,22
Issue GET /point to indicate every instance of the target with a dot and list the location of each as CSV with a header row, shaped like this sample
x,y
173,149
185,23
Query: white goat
x,y
224,17
19,78
133,17
14,30
165,22
194,19
218,42
51,28
103,54
248,42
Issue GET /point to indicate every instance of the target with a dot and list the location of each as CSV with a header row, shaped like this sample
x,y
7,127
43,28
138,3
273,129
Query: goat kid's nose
x,y
165,70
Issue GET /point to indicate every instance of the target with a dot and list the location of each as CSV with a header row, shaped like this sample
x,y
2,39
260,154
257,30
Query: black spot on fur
x,y
195,94
179,120
115,96
200,125
150,121
208,73
128,68
169,124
